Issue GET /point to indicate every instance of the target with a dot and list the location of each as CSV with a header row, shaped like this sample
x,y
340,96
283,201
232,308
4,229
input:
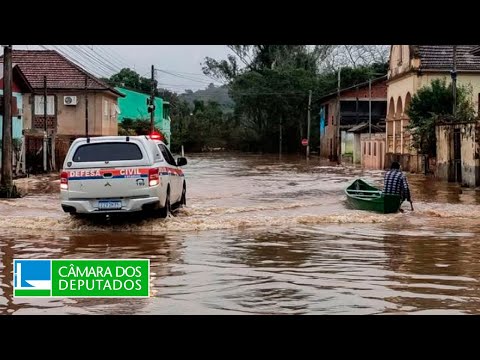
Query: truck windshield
x,y
107,152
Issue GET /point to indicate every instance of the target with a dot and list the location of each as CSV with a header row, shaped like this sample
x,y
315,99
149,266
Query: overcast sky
x,y
172,58
184,61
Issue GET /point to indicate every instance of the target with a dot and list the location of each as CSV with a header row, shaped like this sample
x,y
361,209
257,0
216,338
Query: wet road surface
x,y
263,236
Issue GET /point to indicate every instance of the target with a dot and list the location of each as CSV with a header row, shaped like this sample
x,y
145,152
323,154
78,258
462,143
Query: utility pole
x,y
280,140
7,177
322,116
370,107
339,146
356,106
86,106
152,102
454,80
45,135
308,122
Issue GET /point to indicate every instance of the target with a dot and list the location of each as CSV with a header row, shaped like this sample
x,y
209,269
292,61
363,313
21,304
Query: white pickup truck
x,y
121,174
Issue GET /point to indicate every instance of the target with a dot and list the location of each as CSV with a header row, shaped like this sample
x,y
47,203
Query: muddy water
x,y
260,236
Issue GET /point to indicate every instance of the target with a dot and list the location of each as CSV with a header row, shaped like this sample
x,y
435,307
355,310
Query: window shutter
x,y
50,105
39,105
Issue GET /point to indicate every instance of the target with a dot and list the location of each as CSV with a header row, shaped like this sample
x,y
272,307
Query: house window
x,y
105,108
364,148
369,148
39,105
375,149
113,111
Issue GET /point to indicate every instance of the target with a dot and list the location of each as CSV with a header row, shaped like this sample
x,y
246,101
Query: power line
x,y
84,57
103,66
196,74
179,85
92,59
186,73
98,58
102,63
184,77
114,59
118,56
75,60
199,74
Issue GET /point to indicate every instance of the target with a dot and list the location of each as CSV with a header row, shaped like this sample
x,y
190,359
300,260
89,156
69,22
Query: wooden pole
x,y
152,102
308,123
86,106
45,135
7,176
280,139
339,137
370,108
454,80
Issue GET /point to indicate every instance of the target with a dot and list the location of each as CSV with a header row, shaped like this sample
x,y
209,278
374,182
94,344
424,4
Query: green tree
x,y
131,79
434,103
271,88
134,127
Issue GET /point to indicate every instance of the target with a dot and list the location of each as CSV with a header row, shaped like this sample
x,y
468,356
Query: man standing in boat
x,y
395,182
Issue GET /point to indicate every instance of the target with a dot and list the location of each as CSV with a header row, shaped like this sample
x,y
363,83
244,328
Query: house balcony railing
x,y
38,122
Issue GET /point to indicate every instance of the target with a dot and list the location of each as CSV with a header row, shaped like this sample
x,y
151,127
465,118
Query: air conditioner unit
x,y
70,100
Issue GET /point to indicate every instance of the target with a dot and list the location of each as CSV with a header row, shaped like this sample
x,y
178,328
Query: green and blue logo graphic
x,y
32,277
81,278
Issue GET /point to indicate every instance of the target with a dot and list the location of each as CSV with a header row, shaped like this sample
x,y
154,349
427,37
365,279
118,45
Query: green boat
x,y
363,196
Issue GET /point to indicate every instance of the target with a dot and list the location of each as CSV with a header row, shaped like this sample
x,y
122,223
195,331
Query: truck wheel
x,y
183,200
166,210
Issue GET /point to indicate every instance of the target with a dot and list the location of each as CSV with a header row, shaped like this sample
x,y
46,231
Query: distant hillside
x,y
211,93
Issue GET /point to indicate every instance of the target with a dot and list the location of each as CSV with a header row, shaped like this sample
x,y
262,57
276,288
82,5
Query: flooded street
x,y
263,236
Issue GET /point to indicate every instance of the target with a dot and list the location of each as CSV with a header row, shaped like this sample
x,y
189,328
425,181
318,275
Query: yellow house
x,y
411,68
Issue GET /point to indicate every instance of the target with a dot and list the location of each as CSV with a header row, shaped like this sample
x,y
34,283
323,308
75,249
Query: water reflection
x,y
438,272
161,250
273,250
265,236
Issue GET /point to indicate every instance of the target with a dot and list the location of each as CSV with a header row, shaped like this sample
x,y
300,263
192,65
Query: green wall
x,y
134,106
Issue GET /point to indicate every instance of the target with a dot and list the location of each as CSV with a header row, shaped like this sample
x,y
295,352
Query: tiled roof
x,y
61,73
440,57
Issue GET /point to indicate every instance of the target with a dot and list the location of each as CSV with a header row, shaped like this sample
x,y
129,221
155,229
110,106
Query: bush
x,y
431,104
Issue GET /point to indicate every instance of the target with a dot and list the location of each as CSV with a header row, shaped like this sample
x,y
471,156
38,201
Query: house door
x,y
457,156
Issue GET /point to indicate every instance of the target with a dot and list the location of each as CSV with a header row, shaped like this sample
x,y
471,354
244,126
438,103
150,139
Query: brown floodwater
x,y
263,236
